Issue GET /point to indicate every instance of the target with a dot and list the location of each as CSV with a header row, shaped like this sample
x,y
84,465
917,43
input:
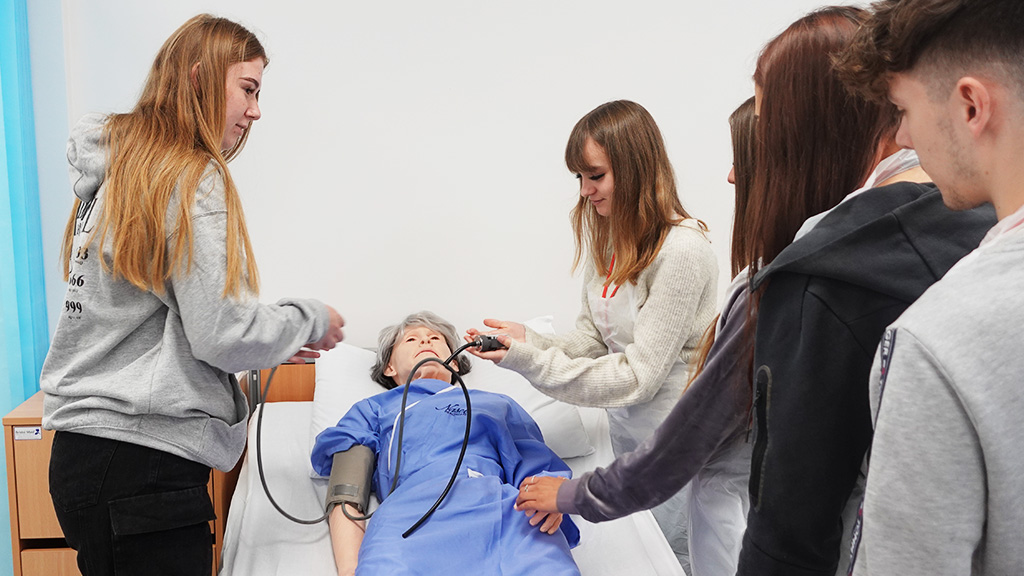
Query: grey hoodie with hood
x,y
155,369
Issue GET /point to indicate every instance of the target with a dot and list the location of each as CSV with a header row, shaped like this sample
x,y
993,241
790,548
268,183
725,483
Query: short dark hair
x,y
948,36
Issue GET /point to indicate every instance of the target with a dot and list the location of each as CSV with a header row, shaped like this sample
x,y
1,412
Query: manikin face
x,y
597,186
415,344
930,127
243,91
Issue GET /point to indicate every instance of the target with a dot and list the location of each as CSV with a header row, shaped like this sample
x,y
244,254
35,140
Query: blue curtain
x,y
22,292
25,334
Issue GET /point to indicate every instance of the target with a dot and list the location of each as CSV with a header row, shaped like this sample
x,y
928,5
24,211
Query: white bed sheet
x,y
259,541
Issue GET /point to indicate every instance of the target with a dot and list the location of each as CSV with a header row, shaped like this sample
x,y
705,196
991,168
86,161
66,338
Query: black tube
x,y
481,342
259,461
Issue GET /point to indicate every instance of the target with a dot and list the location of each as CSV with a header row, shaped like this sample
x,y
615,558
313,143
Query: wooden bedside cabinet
x,y
38,545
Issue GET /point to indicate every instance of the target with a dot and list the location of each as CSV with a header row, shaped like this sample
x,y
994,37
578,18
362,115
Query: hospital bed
x,y
259,541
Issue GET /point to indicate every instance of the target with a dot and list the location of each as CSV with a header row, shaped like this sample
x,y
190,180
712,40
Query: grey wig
x,y
389,337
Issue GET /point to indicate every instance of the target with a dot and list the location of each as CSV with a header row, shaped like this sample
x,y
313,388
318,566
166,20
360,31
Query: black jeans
x,y
129,510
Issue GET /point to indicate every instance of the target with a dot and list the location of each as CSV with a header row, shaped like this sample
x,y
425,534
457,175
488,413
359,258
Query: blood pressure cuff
x,y
350,478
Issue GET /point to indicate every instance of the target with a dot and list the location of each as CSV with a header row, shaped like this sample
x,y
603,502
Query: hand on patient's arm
x,y
505,331
538,496
346,537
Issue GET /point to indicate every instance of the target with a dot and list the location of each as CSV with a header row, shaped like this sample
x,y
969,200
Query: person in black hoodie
x,y
823,301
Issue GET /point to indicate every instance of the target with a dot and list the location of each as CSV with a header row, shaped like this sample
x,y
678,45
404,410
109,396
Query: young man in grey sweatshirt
x,y
945,486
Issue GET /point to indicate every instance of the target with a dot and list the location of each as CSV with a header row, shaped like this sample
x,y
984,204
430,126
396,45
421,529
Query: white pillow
x,y
343,378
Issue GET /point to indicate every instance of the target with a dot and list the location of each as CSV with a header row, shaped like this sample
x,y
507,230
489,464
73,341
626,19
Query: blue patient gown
x,y
475,530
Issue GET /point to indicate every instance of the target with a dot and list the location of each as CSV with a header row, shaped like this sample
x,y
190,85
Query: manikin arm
x,y
349,486
346,538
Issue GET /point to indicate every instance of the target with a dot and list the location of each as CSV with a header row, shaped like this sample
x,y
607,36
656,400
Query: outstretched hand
x,y
302,356
538,499
504,331
330,339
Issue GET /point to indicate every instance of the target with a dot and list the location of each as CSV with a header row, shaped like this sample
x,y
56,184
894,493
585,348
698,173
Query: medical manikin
x,y
476,524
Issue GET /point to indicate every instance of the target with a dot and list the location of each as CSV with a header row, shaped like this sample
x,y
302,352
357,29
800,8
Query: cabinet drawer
x,y
49,562
36,518
34,524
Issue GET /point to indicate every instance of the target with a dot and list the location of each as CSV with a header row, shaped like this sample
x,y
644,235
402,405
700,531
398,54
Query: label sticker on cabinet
x,y
28,433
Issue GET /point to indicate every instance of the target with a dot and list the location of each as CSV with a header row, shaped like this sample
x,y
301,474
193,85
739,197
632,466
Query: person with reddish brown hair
x,y
853,238
945,490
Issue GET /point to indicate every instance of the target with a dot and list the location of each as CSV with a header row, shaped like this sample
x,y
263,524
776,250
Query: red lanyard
x,y
604,293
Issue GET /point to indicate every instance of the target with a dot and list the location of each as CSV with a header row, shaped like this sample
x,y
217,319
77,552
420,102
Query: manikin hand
x,y
538,500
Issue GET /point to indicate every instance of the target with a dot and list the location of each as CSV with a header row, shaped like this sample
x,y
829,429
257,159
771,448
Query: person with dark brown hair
x,y
945,489
853,238
742,127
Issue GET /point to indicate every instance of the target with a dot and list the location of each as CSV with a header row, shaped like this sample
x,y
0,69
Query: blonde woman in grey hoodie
x,y
161,309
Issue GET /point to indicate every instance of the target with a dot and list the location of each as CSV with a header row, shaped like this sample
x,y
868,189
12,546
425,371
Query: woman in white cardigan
x,y
650,282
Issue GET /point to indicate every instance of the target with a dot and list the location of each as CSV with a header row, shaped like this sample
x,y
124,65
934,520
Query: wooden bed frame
x,y
292,382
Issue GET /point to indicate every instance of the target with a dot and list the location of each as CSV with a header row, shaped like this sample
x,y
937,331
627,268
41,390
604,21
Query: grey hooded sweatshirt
x,y
945,487
155,369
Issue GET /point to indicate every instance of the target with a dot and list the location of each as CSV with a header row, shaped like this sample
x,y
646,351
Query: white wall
x,y
410,153
50,111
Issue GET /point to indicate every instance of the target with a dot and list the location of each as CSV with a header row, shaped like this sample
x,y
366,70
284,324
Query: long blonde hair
x,y
645,204
165,144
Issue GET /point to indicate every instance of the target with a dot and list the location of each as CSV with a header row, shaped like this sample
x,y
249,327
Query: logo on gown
x,y
453,410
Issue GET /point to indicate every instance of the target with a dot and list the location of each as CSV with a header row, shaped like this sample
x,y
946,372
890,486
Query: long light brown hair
x,y
645,204
165,145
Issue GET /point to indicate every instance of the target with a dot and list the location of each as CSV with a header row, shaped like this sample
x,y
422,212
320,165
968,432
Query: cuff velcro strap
x,y
350,478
